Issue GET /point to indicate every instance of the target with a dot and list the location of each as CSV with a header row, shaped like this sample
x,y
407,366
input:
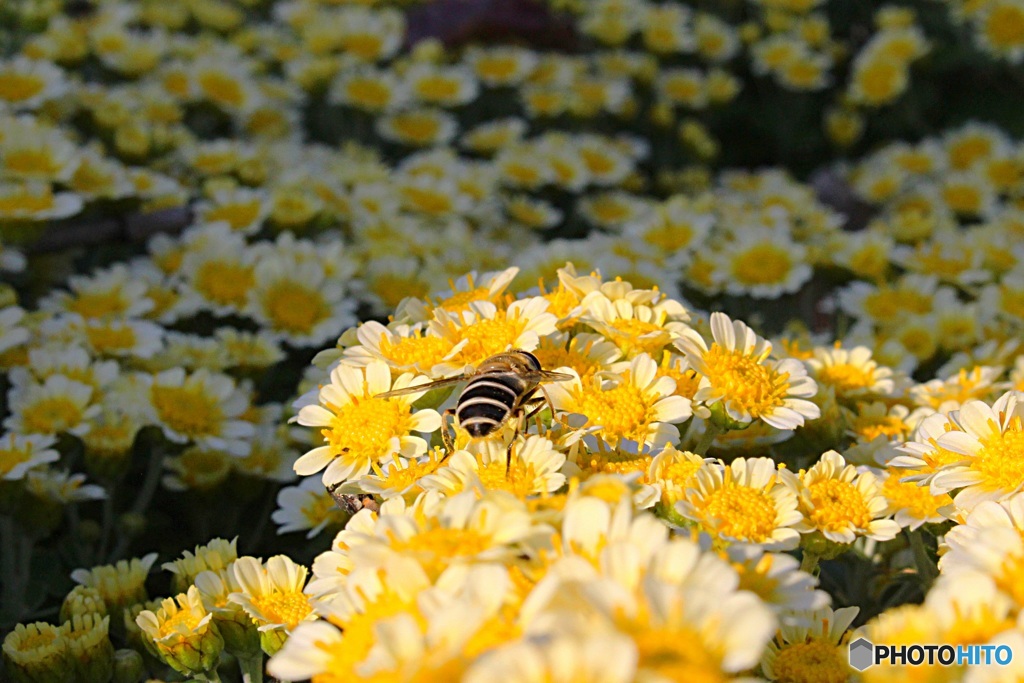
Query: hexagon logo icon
x,y
862,654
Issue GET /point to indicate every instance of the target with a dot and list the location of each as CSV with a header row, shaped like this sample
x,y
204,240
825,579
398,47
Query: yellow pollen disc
x,y
294,307
98,304
430,202
1001,459
916,500
756,579
437,548
741,512
838,505
1008,578
680,471
459,301
171,625
221,88
879,80
519,481
15,87
676,654
630,334
416,127
622,412
31,162
187,410
224,283
744,382
489,336
845,377
872,427
1004,26
393,287
364,45
561,302
111,338
51,415
401,478
238,215
421,351
557,358
687,382
763,264
817,661
10,457
25,202
437,88
283,608
617,462
978,625
366,426
497,68
369,93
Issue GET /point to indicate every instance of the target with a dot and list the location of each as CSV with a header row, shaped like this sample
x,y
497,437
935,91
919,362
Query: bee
x,y
503,387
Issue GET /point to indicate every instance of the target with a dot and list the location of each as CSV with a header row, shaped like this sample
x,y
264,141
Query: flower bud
x,y
37,653
89,647
80,601
182,634
128,667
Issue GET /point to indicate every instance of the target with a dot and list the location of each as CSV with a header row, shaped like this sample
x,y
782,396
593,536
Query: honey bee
x,y
501,388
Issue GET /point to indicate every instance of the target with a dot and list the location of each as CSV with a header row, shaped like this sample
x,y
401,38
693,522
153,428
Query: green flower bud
x,y
82,600
92,654
37,653
128,666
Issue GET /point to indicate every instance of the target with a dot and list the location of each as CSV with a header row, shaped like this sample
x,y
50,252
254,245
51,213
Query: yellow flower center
x,y
416,127
15,87
422,352
459,301
583,364
437,548
912,498
763,264
816,661
24,202
561,301
366,427
1001,459
676,654
366,46
1008,579
1004,26
679,471
31,162
283,608
756,579
369,93
222,88
962,198
237,214
963,153
669,237
838,505
616,462
880,80
393,287
687,381
224,283
203,469
187,410
172,625
870,427
497,68
623,411
294,307
427,201
437,88
745,382
110,338
845,377
489,336
741,512
10,457
519,481
52,415
638,336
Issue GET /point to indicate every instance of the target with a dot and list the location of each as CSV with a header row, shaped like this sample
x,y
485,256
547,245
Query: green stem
x,y
711,430
145,497
926,569
252,668
10,565
210,676
809,563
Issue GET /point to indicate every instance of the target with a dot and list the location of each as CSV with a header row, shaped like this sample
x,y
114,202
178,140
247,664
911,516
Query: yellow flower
x,y
271,594
360,430
746,501
812,652
181,634
37,653
213,556
120,584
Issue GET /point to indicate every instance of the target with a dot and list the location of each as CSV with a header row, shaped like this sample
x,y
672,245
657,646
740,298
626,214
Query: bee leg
x,y
547,400
449,441
518,417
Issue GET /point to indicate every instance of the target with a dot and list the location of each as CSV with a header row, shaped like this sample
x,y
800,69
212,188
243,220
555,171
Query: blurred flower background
x,y
776,245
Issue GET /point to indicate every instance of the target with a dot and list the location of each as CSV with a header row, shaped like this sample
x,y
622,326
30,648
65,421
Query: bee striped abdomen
x,y
487,401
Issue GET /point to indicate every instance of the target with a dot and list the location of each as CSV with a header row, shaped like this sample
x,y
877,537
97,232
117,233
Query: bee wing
x,y
426,386
546,376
